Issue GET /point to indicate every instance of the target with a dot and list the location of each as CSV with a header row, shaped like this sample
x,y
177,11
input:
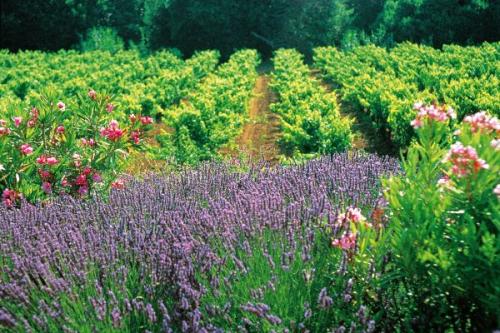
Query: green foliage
x,y
310,118
212,115
265,25
384,83
52,148
102,39
443,237
147,85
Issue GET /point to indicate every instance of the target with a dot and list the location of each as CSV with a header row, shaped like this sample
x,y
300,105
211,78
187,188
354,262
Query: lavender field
x,y
209,249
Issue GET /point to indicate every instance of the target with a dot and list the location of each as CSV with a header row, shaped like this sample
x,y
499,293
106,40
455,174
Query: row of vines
x,y
385,83
309,114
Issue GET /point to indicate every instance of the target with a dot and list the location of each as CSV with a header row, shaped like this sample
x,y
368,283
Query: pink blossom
x,y
146,120
61,106
495,143
52,161
112,132
497,190
44,174
47,187
354,214
60,129
4,131
9,197
26,149
464,160
3,122
110,107
41,160
81,180
118,184
135,137
18,121
132,118
346,242
92,94
431,113
483,122
416,123
65,183
88,142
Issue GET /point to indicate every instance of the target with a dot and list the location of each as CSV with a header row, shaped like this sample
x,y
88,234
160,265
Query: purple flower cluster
x,y
163,228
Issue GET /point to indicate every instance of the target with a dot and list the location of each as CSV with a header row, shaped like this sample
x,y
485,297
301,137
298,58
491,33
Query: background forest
x,y
191,25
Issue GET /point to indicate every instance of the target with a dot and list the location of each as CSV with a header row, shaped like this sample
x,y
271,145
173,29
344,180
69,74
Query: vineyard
x,y
157,193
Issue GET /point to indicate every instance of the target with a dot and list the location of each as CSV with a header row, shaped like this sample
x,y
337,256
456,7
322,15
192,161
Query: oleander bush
x,y
384,83
51,148
309,114
443,235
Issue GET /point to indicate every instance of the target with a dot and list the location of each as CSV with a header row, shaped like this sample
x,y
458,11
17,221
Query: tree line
x,y
227,25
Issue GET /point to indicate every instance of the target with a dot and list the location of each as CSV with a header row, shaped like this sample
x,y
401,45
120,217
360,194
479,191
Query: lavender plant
x,y
155,255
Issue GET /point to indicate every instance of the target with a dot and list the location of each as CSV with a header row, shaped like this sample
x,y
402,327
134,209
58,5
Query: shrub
x,y
443,234
54,148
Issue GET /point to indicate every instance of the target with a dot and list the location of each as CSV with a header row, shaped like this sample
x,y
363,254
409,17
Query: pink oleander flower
x,y
41,160
44,174
17,121
110,107
88,142
65,182
26,149
92,94
118,184
52,161
4,131
497,190
132,118
9,197
495,144
81,180
464,160
47,187
346,242
112,132
135,137
483,122
431,113
353,214
61,106
87,171
34,112
60,129
146,120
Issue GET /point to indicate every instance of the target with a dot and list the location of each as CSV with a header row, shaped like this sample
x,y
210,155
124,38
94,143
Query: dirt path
x,y
260,134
